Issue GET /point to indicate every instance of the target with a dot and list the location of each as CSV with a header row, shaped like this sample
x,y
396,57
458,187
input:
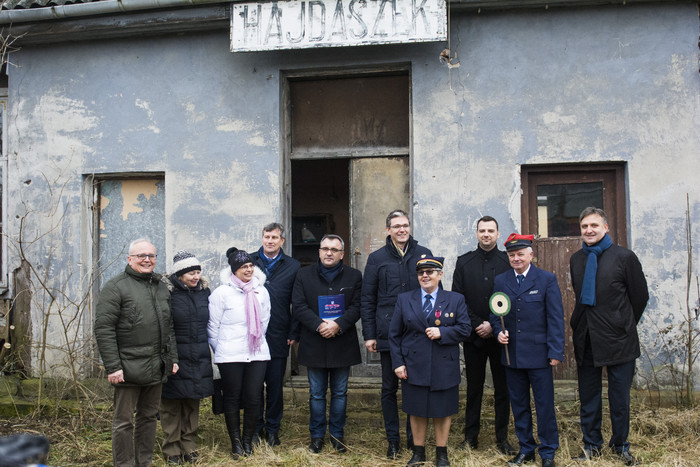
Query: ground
x,y
660,436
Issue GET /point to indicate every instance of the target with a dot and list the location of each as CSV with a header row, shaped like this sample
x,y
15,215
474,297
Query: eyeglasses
x,y
427,272
400,226
247,266
325,249
142,256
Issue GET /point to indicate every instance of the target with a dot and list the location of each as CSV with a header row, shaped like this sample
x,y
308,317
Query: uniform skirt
x,y
422,402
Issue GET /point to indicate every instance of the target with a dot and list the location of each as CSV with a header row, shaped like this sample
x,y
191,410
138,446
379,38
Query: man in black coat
x,y
473,278
611,294
281,270
326,306
389,271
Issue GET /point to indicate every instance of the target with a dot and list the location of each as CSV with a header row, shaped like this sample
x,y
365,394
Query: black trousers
x,y
475,358
243,385
590,387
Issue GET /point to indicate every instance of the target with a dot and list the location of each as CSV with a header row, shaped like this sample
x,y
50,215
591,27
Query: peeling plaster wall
x,y
563,85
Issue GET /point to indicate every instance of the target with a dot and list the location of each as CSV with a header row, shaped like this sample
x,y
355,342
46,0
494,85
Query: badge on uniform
x,y
438,313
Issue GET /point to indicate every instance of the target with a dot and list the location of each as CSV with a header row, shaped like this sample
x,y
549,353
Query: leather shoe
x,y
472,443
393,450
316,445
504,447
418,457
627,458
441,459
191,458
547,462
587,454
339,444
174,460
521,458
273,440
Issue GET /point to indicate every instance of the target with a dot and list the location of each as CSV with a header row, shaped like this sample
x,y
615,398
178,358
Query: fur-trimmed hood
x,y
166,279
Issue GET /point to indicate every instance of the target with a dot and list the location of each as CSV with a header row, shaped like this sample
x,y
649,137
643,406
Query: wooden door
x,y
553,198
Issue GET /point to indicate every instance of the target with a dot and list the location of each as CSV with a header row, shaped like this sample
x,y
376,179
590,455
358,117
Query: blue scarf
x,y
588,287
268,263
330,273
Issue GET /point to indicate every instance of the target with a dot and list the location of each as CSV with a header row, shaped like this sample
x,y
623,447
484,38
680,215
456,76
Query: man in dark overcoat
x,y
280,271
326,306
473,278
389,271
611,294
534,341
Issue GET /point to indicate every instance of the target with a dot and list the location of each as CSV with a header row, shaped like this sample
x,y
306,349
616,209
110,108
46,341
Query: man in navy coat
x,y
534,339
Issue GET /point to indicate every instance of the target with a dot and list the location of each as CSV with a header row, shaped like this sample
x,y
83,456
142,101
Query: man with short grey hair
x,y
134,333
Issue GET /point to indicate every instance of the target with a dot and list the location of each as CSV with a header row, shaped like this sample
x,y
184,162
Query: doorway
x,y
347,162
553,197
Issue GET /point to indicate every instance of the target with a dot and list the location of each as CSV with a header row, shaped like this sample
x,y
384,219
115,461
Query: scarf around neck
x,y
330,273
588,287
252,313
269,263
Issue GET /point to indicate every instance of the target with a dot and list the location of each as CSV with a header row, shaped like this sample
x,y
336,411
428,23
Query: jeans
x,y
318,385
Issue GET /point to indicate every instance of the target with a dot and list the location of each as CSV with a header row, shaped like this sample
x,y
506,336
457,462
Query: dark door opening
x,y
320,205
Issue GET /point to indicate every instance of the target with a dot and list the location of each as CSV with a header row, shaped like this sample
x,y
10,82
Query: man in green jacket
x,y
135,337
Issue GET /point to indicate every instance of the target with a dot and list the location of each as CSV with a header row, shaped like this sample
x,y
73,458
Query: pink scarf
x,y
252,313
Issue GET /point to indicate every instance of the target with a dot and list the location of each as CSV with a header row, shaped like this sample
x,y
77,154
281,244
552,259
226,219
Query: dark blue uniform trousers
x,y
542,382
390,407
590,388
272,408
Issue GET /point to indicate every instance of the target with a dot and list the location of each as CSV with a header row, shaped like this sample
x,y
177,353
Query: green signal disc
x,y
499,304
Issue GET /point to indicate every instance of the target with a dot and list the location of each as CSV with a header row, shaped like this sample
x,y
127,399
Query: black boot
x,y
418,456
250,432
441,459
233,426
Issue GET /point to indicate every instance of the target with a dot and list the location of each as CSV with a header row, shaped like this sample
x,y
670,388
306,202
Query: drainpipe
x,y
59,12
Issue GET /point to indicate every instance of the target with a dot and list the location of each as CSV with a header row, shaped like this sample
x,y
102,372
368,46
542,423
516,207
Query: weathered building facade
x,y
129,119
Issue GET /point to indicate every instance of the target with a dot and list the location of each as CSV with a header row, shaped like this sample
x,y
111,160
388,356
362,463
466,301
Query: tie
x,y
427,305
520,278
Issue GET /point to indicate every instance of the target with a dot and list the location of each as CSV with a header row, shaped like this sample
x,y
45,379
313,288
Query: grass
x,y
659,437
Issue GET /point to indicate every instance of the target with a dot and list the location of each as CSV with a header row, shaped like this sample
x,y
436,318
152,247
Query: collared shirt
x,y
524,274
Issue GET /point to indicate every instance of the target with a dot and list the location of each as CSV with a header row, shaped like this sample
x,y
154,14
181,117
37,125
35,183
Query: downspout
x,y
93,8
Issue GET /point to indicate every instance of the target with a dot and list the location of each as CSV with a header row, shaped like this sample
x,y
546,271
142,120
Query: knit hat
x,y
237,258
184,262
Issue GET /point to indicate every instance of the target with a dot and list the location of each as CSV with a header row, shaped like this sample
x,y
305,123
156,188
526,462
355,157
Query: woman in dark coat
x,y
424,336
179,408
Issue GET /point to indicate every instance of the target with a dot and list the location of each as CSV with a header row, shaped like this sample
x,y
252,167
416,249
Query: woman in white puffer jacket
x,y
239,312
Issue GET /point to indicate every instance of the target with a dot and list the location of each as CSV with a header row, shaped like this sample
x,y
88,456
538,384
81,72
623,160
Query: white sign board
x,y
296,24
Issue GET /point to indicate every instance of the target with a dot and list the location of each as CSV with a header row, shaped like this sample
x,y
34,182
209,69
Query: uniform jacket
x,y
621,296
387,274
190,313
279,285
314,350
227,328
473,277
134,330
433,363
536,320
